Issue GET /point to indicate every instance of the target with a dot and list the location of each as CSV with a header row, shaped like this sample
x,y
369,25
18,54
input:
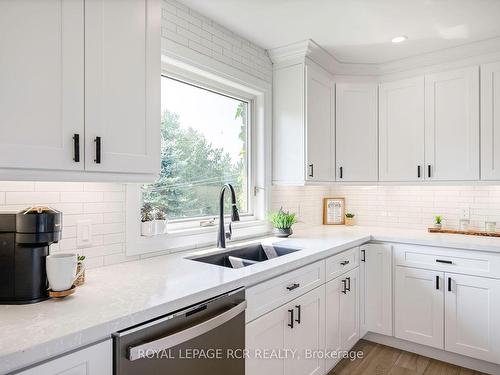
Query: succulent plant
x,y
282,219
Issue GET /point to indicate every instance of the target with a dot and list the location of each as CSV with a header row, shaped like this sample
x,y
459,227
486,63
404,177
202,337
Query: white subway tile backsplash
x,y
31,198
17,186
89,196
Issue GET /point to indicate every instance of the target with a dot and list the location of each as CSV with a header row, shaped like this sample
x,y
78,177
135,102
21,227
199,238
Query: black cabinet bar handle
x,y
76,145
344,263
437,282
363,257
293,286
444,261
97,141
341,172
291,318
344,286
449,284
311,167
298,313
418,171
429,171
348,288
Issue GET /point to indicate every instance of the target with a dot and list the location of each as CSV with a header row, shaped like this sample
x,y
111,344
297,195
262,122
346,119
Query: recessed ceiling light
x,y
399,39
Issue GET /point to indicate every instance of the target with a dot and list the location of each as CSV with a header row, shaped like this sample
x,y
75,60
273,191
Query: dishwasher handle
x,y
137,352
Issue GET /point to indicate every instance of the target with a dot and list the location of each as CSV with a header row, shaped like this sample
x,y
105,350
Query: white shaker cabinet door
x,y
356,132
490,121
401,130
349,309
419,306
473,316
320,107
333,291
452,125
41,84
122,86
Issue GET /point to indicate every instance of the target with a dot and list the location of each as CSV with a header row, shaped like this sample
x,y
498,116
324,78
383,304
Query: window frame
x,y
186,234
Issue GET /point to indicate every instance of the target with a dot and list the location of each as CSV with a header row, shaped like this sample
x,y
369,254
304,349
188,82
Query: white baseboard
x,y
441,355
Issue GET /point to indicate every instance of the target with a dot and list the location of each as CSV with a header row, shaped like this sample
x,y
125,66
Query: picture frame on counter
x,y
333,211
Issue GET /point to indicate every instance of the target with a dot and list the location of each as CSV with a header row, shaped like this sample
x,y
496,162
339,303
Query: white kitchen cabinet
x,y
401,130
122,86
452,125
93,360
303,124
376,289
333,293
419,306
472,312
356,132
490,121
298,326
41,84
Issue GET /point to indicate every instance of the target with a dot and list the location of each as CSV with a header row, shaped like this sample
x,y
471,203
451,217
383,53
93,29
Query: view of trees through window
x,y
203,146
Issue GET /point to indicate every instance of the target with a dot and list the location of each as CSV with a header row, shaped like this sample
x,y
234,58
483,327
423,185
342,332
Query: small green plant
x,y
80,258
438,219
160,213
349,215
146,212
282,219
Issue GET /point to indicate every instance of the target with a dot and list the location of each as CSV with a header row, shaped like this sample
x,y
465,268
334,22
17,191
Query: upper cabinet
x,y
452,125
303,126
490,121
356,132
80,88
42,84
401,127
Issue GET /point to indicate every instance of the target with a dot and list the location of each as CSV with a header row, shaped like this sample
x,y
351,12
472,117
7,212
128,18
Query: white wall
x,y
396,206
104,204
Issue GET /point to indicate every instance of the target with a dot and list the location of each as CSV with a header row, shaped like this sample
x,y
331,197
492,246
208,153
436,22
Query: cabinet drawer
x,y
448,260
270,294
341,263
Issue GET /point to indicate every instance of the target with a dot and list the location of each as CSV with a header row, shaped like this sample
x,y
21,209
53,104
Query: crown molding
x,y
477,52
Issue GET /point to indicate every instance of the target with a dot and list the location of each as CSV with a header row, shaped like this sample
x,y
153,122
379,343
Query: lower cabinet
x,y
93,360
342,314
282,341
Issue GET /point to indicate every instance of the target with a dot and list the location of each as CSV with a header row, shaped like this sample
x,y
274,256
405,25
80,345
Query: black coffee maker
x,y
25,238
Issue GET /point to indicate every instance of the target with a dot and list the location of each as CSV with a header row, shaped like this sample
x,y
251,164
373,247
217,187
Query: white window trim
x,y
183,235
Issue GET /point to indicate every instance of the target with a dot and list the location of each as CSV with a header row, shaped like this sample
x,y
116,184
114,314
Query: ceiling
x,y
358,31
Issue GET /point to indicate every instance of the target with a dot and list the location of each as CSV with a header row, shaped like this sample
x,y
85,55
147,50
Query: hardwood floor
x,y
383,360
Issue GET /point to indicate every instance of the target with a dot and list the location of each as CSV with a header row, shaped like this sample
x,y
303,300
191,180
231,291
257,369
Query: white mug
x,y
61,271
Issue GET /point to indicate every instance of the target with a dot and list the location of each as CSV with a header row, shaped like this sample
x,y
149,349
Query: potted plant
x,y
160,220
147,225
349,218
438,222
80,267
282,222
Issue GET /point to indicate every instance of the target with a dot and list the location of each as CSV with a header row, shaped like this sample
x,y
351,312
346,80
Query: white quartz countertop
x,y
119,296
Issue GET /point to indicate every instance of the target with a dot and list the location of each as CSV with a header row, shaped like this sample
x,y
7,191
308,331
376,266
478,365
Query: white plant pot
x,y
147,228
160,226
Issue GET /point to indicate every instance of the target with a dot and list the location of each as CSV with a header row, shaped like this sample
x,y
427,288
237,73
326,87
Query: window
x,y
205,143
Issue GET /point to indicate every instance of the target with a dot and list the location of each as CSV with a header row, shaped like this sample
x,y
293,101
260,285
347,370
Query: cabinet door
x,y
472,316
308,333
41,84
419,306
93,360
490,121
122,85
356,132
320,106
266,333
452,125
401,126
333,291
376,289
349,310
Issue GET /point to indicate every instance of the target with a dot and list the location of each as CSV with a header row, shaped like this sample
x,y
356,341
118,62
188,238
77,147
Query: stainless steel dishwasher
x,y
206,338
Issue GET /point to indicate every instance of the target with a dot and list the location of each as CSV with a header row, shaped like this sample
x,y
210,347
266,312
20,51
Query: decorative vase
x,y
160,226
349,221
438,226
282,232
147,228
81,279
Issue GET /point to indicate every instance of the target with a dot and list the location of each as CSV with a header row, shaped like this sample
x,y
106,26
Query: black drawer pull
x,y
444,261
344,263
311,167
76,145
293,286
363,253
348,288
341,172
437,282
97,141
429,171
298,313
418,171
449,284
344,285
291,318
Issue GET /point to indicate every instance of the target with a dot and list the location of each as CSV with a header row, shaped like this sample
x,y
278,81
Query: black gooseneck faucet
x,y
235,216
